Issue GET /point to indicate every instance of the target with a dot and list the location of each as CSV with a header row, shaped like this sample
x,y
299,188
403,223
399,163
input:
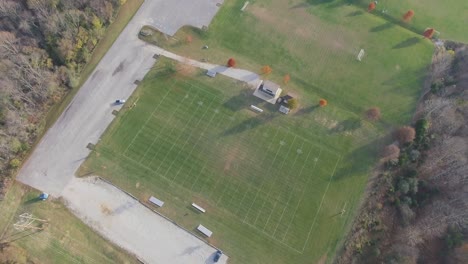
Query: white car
x,y
120,101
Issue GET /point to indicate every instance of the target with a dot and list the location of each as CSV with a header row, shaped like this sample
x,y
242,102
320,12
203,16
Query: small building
x,y
268,91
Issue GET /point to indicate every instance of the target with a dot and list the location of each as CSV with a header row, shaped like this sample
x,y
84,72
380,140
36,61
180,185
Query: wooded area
x,y
416,205
44,45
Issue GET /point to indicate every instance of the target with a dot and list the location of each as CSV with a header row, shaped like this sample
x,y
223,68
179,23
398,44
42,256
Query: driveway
x,y
61,151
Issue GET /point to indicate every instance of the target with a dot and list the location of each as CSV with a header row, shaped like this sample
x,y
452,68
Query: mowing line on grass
x,y
274,181
161,130
197,140
303,192
187,140
147,120
274,239
321,203
274,159
289,195
185,127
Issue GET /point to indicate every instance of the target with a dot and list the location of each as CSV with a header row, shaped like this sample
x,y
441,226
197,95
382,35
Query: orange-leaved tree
x,y
286,79
428,33
404,134
266,69
231,62
408,16
323,102
373,114
371,7
189,39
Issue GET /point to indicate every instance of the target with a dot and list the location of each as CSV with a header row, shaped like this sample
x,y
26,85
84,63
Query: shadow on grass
x,y
32,201
360,160
306,110
355,13
382,27
240,101
347,125
250,123
408,43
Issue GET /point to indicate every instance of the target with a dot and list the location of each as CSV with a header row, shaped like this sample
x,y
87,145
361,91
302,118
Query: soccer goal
x,y
360,55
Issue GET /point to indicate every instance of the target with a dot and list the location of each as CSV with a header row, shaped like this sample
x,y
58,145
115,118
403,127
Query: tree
x,y
428,33
373,114
292,103
189,39
391,152
371,6
323,102
231,63
286,78
266,69
408,16
405,134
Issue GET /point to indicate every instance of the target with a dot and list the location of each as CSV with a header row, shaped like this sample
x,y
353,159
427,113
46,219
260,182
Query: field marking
x,y
303,192
203,150
273,238
187,139
147,120
161,130
175,142
274,181
196,142
321,203
274,159
292,190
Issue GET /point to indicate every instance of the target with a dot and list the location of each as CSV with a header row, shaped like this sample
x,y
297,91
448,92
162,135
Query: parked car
x,y
217,256
120,101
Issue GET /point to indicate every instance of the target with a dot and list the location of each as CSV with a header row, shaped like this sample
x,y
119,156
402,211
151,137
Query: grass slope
x,y
65,239
273,185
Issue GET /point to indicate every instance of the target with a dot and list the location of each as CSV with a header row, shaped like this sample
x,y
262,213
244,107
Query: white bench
x,y
256,108
156,201
199,208
204,230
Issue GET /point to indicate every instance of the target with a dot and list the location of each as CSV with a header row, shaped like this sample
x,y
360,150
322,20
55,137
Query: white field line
x,y
205,146
147,120
256,195
293,187
321,203
194,97
185,127
206,126
274,239
303,192
273,185
189,137
161,130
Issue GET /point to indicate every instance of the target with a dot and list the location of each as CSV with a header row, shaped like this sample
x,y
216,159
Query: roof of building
x,y
271,86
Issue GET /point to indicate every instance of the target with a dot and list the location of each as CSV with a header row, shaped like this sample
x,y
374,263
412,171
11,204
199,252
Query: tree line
x,y
44,44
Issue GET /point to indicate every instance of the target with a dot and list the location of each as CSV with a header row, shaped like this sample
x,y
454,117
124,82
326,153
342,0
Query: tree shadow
x,y
355,13
407,43
347,125
249,123
306,110
32,201
359,161
382,27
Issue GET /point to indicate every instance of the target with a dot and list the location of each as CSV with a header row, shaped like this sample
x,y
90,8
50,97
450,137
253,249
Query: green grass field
x,y
274,186
65,238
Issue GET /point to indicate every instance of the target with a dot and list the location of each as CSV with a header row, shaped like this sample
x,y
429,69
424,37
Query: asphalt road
x,y
52,165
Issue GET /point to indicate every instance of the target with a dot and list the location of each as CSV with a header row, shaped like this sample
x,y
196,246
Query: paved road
x,y
61,151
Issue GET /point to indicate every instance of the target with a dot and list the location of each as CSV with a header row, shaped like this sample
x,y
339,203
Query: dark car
x,y
217,256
